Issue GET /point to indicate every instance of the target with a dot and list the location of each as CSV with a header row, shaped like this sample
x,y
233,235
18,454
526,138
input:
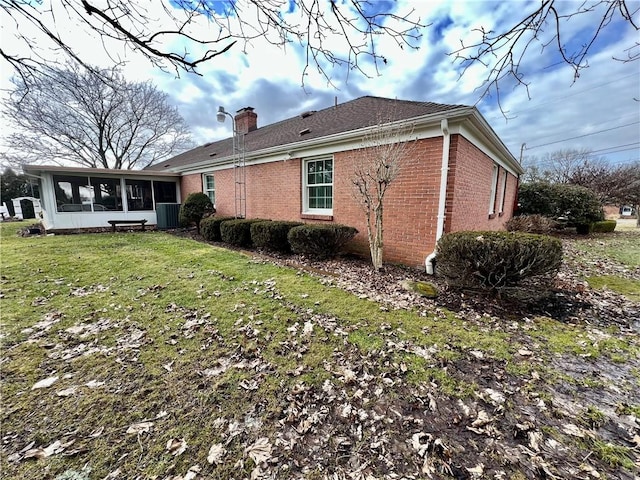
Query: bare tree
x,y
507,51
92,120
613,184
323,29
375,166
560,166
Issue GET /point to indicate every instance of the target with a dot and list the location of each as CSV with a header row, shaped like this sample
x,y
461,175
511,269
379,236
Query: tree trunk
x,y
377,245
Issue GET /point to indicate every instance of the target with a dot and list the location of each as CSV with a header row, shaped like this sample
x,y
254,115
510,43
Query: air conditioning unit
x,y
168,215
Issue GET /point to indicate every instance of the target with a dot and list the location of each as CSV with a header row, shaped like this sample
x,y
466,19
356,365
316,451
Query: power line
x,y
585,135
579,92
588,155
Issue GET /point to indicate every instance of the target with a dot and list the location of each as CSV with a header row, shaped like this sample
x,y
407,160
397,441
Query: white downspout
x,y
444,174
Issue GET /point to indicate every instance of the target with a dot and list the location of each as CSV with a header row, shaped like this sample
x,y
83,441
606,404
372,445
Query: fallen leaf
x,y
216,452
67,392
482,419
574,430
141,427
308,329
47,382
192,472
93,384
477,471
260,451
168,366
176,447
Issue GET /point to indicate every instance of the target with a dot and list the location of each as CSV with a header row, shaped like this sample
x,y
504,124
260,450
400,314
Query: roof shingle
x,y
355,114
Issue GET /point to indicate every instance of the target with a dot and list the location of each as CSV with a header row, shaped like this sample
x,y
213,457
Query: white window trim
x,y
206,190
494,189
305,189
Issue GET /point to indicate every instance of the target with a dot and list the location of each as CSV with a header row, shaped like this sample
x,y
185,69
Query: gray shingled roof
x,y
355,114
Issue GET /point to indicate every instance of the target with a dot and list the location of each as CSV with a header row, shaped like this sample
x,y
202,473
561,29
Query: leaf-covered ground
x,y
145,355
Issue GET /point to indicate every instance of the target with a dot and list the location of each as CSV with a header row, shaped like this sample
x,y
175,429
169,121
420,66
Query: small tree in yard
x,y
375,166
194,209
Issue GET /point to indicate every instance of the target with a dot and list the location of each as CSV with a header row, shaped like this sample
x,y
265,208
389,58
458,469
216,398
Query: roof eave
x,y
418,122
39,169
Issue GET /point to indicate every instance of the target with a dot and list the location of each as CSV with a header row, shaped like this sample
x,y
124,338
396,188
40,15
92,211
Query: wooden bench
x,y
114,223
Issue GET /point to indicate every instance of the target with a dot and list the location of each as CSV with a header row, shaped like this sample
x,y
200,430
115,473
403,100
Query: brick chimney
x,y
246,120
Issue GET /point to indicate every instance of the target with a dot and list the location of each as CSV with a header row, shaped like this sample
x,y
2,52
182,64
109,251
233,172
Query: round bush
x,y
531,224
210,228
238,232
272,235
194,209
606,226
320,241
495,260
577,206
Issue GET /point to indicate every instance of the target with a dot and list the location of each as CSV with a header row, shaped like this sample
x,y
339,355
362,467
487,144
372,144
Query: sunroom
x,y
89,198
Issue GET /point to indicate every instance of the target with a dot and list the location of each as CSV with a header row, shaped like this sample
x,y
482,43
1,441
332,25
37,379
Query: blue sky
x,y
601,109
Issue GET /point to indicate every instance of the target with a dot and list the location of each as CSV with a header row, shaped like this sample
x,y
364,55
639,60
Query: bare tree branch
x,y
355,24
506,53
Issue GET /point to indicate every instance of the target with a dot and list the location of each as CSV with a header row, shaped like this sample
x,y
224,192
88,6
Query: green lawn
x,y
216,348
621,247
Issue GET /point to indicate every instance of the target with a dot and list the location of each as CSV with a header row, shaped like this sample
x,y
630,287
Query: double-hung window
x,y
318,186
209,187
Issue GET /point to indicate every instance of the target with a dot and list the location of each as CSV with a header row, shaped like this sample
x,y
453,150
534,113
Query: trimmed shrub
x,y
577,206
495,260
320,241
210,228
194,209
238,231
538,198
272,235
606,226
531,224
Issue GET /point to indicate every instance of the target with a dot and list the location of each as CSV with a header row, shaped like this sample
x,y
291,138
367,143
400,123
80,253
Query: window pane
x,y
139,195
108,194
164,192
73,194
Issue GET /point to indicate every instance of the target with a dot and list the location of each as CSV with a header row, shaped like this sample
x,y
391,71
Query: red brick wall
x,y
469,190
411,203
190,184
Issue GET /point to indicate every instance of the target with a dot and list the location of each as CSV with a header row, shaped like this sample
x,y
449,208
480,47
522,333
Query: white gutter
x,y
444,174
333,139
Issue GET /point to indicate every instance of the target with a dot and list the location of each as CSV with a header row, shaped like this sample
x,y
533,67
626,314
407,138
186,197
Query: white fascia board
x,y
96,172
427,126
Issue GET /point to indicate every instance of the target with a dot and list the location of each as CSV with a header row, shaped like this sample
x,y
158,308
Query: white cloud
x,y
269,78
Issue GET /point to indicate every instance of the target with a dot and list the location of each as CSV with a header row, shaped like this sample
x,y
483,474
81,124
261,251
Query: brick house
x,y
460,176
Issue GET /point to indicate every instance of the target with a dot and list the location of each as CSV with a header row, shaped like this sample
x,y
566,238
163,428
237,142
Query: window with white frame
x,y
503,197
209,187
318,186
494,190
